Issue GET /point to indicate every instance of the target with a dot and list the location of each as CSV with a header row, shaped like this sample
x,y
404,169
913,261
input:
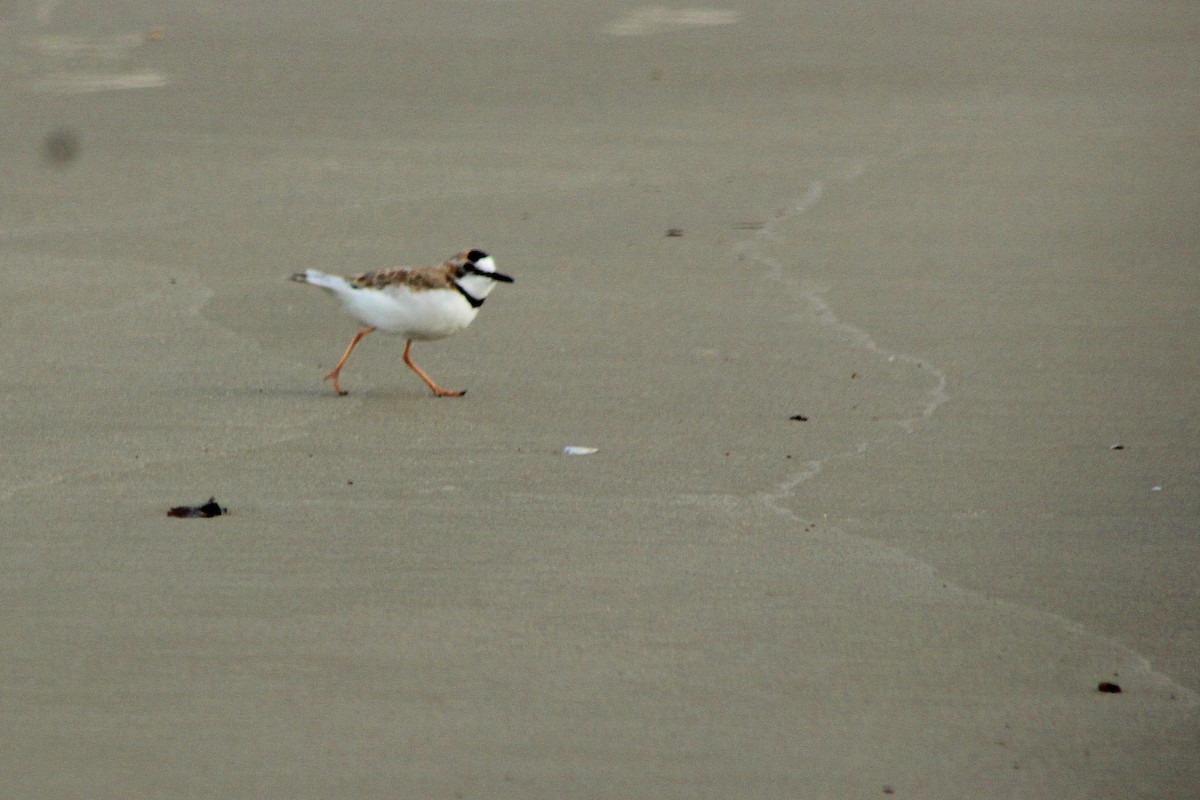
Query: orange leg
x,y
333,376
439,391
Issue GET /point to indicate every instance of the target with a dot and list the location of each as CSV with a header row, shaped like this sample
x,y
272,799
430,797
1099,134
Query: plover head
x,y
477,276
480,263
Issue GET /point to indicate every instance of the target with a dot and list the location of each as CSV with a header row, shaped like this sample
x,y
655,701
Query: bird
x,y
418,303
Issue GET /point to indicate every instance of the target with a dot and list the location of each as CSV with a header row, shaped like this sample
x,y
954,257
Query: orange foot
x,y
437,390
333,376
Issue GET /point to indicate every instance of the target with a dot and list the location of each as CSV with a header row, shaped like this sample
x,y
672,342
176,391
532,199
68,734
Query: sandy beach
x,y
882,324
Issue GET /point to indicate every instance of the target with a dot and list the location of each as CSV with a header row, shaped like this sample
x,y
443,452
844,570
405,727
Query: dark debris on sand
x,y
209,509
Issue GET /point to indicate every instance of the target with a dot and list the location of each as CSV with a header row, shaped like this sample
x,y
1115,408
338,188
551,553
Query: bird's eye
x,y
476,255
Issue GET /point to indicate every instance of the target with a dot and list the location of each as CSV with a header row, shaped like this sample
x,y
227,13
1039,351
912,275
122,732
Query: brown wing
x,y
416,278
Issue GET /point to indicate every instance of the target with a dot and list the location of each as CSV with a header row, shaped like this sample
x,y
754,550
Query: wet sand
x,y
960,242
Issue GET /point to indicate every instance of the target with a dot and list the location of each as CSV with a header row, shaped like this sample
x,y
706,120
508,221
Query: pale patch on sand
x,y
101,48
83,84
84,64
658,19
45,10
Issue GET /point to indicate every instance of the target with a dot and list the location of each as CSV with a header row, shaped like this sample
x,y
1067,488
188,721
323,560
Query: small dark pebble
x,y
1117,447
798,418
209,509
1108,687
888,790
674,232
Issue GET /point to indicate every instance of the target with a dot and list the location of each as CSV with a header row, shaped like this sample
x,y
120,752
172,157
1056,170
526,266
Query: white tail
x,y
333,283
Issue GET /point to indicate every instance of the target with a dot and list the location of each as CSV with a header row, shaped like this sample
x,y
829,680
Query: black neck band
x,y
475,302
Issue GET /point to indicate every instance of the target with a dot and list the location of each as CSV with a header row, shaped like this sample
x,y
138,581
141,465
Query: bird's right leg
x,y
333,376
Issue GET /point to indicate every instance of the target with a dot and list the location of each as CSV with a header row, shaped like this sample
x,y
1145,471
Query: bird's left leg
x,y
437,390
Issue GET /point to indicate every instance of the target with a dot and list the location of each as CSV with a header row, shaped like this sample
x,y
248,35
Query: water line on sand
x,y
777,499
751,249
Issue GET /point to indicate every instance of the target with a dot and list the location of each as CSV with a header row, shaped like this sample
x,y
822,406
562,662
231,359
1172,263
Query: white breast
x,y
422,315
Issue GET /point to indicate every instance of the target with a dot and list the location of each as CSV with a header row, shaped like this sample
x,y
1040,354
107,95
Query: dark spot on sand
x,y
209,509
798,418
60,147
1108,687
